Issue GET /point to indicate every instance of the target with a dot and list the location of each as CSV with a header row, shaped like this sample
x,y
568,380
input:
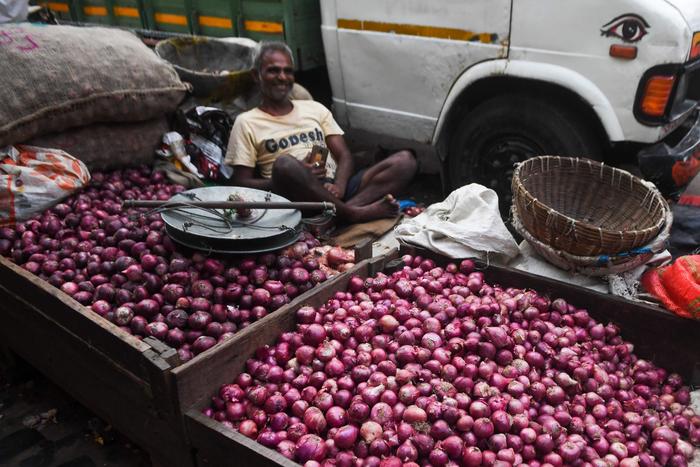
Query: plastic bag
x,y
207,130
34,179
677,286
671,168
685,233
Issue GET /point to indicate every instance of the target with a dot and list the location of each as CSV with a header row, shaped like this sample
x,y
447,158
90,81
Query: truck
x,y
490,83
487,83
297,22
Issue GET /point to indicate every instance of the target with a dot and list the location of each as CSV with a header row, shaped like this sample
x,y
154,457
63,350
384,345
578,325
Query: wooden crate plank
x,y
201,377
93,378
210,436
121,346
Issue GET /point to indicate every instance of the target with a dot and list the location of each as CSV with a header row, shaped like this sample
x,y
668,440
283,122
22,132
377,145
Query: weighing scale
x,y
209,219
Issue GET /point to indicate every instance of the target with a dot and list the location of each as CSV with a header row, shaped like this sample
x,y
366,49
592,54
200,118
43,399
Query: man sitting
x,y
269,149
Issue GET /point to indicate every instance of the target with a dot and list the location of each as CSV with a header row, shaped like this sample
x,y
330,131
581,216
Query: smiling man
x,y
270,145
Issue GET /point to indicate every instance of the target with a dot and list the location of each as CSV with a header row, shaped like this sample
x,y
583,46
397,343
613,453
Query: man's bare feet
x,y
381,209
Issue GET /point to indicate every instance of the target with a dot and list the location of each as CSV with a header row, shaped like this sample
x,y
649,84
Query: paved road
x,y
41,426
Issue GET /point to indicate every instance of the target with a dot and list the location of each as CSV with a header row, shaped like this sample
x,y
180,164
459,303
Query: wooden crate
x,y
657,335
122,379
127,381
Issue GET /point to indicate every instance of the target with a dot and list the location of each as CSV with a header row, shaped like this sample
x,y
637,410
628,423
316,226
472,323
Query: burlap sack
x,y
107,146
58,77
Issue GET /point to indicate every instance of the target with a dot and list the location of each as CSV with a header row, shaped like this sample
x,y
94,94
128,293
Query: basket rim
x,y
602,166
193,40
586,265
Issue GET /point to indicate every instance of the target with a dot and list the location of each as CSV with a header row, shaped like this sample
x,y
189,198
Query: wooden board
x,y
223,447
90,376
126,349
78,349
645,326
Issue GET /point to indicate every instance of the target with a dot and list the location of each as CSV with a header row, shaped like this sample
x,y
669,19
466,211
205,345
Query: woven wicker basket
x,y
584,207
598,265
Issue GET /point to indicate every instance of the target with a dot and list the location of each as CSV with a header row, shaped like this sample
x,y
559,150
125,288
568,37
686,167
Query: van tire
x,y
505,130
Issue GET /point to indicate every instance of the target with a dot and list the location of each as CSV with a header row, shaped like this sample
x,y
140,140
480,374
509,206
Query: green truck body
x,y
297,22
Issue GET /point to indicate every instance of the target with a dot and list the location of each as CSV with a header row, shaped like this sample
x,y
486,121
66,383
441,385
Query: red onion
x,y
346,436
157,330
472,456
370,430
664,433
315,420
472,366
358,411
336,417
199,320
310,447
414,414
570,451
314,334
662,451
452,446
202,344
248,428
147,307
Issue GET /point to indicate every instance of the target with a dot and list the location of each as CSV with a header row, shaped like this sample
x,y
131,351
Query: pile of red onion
x,y
126,269
432,366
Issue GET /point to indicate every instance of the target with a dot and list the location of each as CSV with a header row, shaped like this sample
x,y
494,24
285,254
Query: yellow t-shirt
x,y
258,138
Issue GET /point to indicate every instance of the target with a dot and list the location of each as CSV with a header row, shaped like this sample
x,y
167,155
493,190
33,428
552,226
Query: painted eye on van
x,y
629,27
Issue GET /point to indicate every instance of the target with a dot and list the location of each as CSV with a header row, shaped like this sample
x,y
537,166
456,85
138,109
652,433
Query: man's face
x,y
276,76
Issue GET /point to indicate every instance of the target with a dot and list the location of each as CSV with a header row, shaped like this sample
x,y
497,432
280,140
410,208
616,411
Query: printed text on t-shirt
x,y
302,138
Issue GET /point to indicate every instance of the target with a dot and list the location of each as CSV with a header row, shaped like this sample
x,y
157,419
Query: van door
x,y
399,58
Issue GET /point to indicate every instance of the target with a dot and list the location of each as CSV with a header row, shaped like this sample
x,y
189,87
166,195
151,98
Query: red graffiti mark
x,y
32,45
5,38
19,40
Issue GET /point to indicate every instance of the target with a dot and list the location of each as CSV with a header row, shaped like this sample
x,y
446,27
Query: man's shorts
x,y
353,185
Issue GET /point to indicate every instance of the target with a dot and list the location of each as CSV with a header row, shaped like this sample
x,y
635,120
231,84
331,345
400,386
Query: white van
x,y
491,82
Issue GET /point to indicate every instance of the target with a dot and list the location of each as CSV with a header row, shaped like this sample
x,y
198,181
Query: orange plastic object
x,y
695,47
657,94
685,170
628,52
677,286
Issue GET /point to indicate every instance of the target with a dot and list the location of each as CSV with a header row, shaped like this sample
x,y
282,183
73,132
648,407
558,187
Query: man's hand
x,y
318,171
334,190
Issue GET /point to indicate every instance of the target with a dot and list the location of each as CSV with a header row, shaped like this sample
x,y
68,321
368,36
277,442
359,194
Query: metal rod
x,y
302,205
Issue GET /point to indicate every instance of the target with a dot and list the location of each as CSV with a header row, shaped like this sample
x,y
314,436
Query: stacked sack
x,y
99,94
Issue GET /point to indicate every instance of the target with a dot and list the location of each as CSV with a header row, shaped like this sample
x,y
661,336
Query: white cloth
x,y
466,224
13,11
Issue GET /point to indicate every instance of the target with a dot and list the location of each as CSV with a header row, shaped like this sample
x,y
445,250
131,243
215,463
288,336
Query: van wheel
x,y
508,129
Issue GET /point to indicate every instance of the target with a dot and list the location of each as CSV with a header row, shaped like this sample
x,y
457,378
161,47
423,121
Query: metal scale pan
x,y
202,229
